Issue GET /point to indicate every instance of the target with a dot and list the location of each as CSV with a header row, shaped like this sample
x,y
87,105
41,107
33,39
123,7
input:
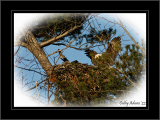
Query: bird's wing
x,y
90,53
116,40
111,49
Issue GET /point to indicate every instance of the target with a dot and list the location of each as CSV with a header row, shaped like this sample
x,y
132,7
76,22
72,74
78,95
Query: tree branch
x,y
20,44
126,77
63,101
55,39
38,93
131,36
105,19
34,86
30,70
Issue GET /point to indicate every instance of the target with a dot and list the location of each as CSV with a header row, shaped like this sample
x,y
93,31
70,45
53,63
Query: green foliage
x,y
102,81
94,35
132,63
52,25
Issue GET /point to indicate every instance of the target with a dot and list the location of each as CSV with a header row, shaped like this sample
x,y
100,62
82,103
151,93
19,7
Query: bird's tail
x,y
62,56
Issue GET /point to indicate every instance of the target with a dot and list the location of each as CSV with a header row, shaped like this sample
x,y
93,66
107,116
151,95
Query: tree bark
x,y
33,46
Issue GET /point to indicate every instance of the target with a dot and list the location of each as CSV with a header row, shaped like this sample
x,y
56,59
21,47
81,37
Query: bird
x,y
93,55
62,56
111,51
66,71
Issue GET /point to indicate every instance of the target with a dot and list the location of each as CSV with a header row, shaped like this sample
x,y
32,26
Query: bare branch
x,y
30,70
18,49
34,86
94,30
63,101
37,92
125,76
55,39
20,44
105,19
69,44
52,53
131,36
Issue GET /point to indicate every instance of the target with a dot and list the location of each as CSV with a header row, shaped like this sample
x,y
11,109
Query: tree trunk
x,y
33,46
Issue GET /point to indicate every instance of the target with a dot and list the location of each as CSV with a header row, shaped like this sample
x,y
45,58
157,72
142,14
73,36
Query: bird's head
x,y
97,56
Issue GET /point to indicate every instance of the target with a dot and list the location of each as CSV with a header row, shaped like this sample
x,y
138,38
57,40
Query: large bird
x,y
62,56
112,51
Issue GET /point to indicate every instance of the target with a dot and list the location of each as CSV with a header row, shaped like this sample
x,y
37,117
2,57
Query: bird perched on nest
x,y
66,71
62,56
111,51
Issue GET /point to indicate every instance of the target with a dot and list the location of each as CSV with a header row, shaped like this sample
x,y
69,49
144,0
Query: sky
x,y
135,23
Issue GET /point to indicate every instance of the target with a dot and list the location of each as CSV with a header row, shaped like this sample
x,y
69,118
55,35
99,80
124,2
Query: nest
x,y
68,71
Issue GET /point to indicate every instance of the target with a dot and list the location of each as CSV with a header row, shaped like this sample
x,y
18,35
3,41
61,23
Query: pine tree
x,y
94,86
74,83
